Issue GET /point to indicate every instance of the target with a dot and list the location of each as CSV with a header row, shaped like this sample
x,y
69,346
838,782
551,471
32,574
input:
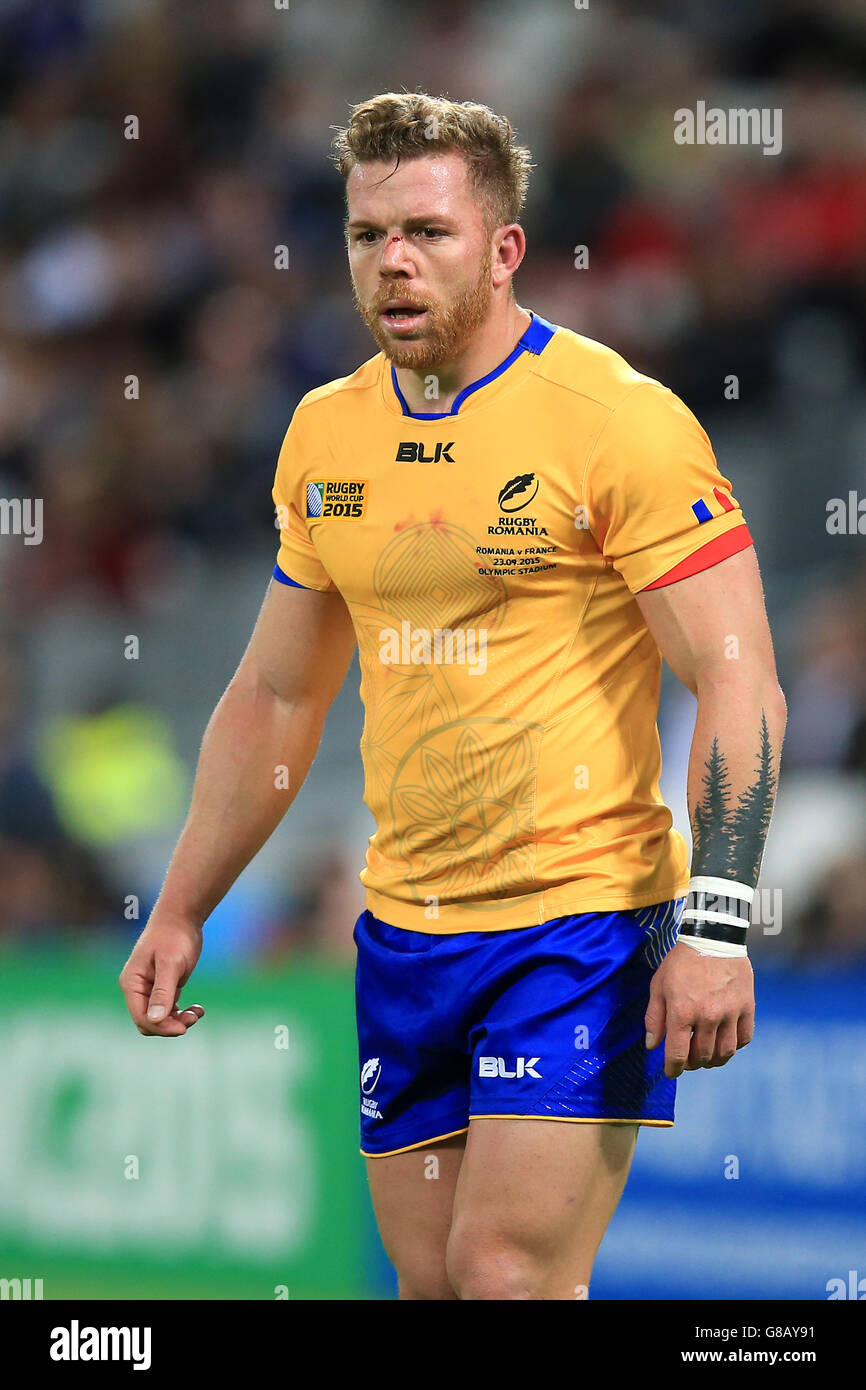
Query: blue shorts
x,y
544,1021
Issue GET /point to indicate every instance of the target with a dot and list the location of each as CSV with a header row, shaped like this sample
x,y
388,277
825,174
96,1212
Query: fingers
x,y
654,1020
139,984
705,1009
703,1045
178,1023
679,1037
688,1046
166,987
135,982
714,1044
725,1044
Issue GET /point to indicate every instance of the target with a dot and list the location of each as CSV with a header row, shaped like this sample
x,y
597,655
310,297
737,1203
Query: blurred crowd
x,y
156,154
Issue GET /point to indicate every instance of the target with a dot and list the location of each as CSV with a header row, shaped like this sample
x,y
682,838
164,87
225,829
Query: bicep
x,y
301,645
712,625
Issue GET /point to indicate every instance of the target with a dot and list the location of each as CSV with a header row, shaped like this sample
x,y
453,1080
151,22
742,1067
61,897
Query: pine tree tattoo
x,y
729,841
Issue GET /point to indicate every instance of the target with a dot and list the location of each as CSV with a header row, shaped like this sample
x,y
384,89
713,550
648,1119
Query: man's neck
x,y
485,352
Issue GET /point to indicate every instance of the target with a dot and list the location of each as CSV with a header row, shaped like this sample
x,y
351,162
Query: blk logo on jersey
x,y
411,452
518,492
343,497
495,1066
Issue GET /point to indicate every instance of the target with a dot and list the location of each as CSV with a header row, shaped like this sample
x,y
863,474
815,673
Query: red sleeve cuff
x,y
738,538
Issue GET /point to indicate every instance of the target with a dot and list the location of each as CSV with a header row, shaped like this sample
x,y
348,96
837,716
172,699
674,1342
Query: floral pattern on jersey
x,y
461,797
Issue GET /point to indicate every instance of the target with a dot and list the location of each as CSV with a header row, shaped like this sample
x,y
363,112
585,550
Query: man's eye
x,y
428,232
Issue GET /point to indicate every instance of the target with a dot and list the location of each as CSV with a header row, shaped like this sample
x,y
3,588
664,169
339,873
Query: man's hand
x,y
162,960
705,1005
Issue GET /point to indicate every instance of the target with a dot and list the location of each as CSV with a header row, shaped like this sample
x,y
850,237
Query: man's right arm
x,y
256,752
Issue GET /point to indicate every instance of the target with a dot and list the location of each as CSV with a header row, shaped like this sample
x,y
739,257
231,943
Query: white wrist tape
x,y
707,947
717,915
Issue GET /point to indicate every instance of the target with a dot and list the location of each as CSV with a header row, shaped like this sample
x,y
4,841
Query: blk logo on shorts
x,y
495,1066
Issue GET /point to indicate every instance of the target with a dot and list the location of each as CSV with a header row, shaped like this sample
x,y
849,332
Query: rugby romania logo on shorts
x,y
345,497
370,1073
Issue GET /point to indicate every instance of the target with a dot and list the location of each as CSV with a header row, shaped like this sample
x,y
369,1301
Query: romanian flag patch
x,y
716,503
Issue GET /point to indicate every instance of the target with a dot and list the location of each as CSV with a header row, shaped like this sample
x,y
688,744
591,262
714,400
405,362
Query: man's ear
x,y
509,250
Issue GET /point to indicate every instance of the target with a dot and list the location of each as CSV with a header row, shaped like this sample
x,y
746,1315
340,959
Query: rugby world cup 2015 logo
x,y
370,1073
337,497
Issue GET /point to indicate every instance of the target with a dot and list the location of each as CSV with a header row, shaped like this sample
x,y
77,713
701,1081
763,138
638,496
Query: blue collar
x,y
534,340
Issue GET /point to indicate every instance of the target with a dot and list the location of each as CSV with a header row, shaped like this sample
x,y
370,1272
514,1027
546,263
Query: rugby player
x,y
514,527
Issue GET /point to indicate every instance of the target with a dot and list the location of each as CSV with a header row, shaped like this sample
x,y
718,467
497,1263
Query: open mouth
x,y
402,317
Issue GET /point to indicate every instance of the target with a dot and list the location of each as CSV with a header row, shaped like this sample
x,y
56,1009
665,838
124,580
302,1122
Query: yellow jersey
x,y
489,557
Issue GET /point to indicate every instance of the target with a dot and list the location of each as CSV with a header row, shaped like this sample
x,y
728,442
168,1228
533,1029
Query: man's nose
x,y
394,252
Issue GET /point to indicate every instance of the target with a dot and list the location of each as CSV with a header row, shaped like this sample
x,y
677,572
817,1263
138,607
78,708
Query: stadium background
x,y
227,1166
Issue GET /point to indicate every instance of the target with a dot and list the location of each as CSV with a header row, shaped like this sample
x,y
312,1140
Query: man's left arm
x,y
712,630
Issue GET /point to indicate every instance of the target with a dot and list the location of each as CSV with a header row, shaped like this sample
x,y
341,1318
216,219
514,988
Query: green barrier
x,y
219,1165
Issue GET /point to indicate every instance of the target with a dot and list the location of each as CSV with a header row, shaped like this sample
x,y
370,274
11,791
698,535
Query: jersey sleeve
x,y
657,504
297,560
